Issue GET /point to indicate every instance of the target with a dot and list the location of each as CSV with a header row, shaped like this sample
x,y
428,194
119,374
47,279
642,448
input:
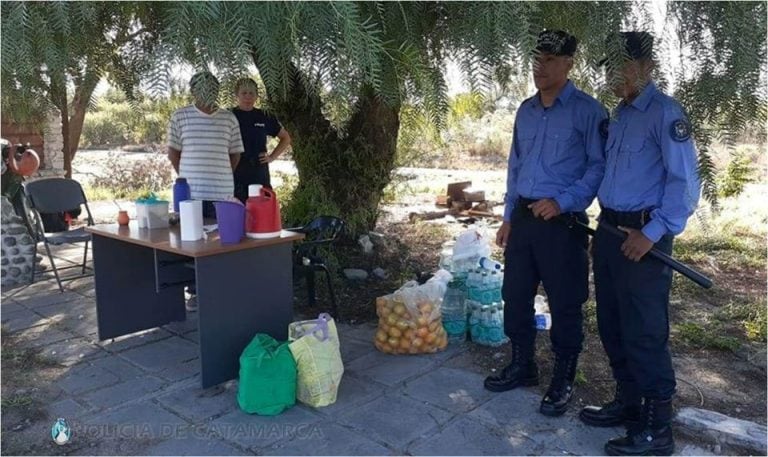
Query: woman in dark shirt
x,y
255,126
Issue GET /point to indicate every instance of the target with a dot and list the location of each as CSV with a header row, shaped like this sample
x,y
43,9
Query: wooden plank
x,y
456,190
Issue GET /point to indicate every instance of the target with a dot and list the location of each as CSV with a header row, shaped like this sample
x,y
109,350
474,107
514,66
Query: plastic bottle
x,y
181,192
490,264
495,331
454,313
496,283
485,290
474,322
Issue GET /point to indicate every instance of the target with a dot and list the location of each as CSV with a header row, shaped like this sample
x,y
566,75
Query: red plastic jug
x,y
262,213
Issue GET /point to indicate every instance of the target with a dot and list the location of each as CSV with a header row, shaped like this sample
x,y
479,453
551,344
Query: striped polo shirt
x,y
205,142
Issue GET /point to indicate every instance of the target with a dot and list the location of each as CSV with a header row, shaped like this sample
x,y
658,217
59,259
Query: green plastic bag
x,y
267,377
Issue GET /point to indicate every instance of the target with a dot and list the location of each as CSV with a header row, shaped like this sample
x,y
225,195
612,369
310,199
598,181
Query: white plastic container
x,y
152,215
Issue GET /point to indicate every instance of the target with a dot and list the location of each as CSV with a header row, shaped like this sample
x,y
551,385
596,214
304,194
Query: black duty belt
x,y
631,219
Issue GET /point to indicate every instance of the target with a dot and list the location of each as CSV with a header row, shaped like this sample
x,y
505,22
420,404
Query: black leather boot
x,y
560,391
623,409
652,435
522,371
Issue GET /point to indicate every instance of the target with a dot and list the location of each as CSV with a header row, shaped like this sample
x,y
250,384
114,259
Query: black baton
x,y
662,257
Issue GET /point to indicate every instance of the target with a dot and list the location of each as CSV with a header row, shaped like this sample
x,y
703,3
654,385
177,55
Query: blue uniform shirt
x,y
651,163
557,152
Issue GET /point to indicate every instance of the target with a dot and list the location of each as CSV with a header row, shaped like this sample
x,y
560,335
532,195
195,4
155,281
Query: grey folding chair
x,y
57,195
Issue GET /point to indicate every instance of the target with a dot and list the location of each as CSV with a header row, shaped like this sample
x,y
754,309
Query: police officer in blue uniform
x,y
650,189
555,167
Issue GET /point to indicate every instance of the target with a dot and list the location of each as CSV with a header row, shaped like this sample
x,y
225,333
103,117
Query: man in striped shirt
x,y
204,144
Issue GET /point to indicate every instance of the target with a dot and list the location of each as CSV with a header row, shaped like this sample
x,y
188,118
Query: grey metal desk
x,y
242,289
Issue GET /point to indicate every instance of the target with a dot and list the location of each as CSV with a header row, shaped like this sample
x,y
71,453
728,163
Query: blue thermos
x,y
181,192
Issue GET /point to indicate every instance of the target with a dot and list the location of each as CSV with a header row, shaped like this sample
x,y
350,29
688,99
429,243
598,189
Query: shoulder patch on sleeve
x,y
680,130
604,127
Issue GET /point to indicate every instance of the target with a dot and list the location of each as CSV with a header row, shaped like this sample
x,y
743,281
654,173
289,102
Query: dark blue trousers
x,y
632,316
556,256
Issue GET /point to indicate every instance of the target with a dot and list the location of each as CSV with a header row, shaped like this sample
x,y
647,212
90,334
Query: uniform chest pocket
x,y
558,140
525,140
630,150
632,145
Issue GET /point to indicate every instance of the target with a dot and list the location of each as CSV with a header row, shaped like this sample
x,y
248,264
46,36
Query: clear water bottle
x,y
454,312
495,330
496,282
490,264
486,290
474,322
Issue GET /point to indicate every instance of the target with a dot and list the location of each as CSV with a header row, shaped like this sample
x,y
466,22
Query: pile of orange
x,y
404,329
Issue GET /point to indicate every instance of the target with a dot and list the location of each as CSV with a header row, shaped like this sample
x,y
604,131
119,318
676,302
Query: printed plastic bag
x,y
267,377
315,348
410,319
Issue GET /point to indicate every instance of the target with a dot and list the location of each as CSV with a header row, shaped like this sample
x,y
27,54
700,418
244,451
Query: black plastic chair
x,y
321,233
57,195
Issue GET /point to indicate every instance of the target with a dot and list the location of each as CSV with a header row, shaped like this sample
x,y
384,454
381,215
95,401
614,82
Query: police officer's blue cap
x,y
636,45
557,42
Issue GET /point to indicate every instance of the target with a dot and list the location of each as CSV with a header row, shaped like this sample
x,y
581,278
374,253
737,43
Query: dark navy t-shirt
x,y
255,126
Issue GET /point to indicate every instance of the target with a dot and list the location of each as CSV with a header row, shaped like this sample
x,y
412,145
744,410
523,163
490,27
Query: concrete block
x,y
726,430
395,420
123,392
389,369
160,355
72,351
67,408
141,338
197,404
257,432
352,392
449,388
21,320
352,349
467,437
191,444
84,378
326,439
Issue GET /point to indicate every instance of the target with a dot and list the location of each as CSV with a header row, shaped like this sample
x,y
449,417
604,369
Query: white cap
x,y
254,190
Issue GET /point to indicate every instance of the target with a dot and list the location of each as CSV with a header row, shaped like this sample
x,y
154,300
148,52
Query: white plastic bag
x,y
473,243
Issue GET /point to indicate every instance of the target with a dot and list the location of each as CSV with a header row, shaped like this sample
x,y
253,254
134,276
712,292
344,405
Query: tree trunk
x,y
345,174
83,92
58,90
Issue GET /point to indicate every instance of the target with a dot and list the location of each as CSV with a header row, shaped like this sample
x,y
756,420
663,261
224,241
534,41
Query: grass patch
x,y
705,337
580,379
17,401
751,316
98,193
589,312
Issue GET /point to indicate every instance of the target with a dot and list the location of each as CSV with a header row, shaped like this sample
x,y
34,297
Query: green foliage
x,y
739,172
343,53
126,179
115,121
752,316
708,337
468,105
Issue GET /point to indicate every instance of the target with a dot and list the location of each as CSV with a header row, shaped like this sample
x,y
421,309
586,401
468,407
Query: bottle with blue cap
x,y
181,192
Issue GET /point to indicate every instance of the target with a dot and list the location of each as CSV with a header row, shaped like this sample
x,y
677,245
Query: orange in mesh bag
x,y
410,319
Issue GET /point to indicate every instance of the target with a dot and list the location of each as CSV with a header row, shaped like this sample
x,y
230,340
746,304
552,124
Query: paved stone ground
x,y
141,394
